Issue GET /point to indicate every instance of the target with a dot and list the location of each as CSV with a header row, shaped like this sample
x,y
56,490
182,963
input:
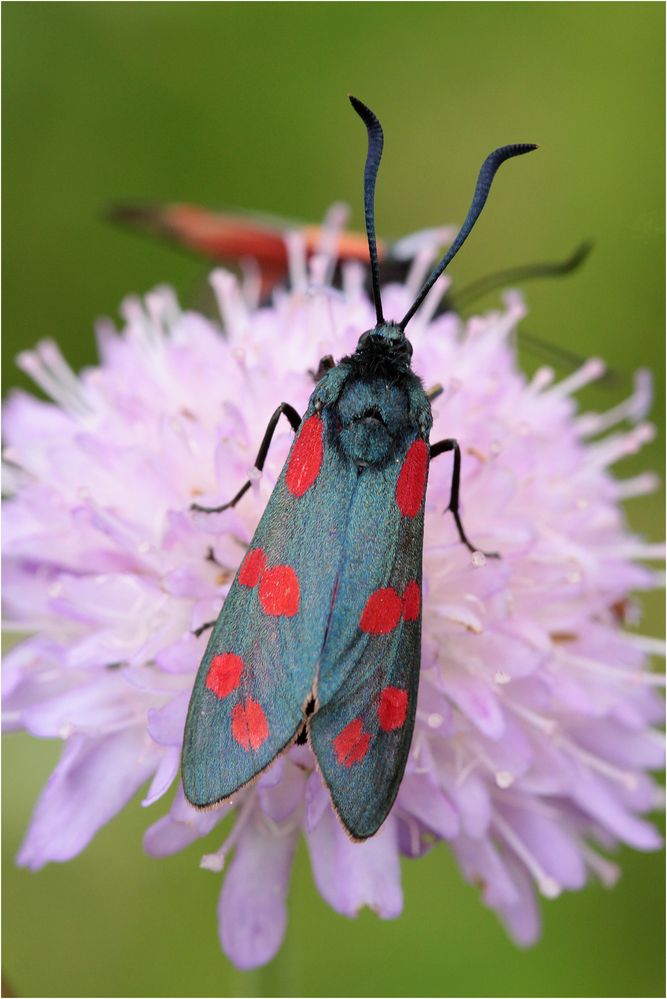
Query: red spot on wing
x,y
351,745
249,725
411,601
224,674
412,479
252,567
393,708
306,460
382,612
279,591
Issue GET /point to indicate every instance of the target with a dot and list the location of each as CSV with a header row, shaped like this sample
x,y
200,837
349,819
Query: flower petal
x,y
165,775
94,779
477,701
252,914
597,800
351,875
182,826
166,724
419,796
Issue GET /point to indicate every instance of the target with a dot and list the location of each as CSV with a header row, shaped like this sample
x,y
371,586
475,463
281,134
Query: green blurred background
x,y
244,105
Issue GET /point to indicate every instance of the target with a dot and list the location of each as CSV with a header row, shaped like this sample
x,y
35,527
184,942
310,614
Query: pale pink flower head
x,y
536,724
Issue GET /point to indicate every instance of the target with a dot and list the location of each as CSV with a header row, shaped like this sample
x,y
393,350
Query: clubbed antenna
x,y
375,144
489,167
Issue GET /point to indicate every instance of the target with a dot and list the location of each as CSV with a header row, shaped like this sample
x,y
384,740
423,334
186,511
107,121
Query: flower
x,y
535,728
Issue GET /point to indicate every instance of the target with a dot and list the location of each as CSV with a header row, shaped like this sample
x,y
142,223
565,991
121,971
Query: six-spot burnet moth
x,y
319,635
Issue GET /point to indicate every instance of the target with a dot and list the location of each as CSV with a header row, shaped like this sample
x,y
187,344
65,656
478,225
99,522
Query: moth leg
x,y
326,364
434,392
202,628
440,448
210,557
295,422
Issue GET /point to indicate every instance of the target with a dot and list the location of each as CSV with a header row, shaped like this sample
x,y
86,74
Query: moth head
x,y
386,340
389,334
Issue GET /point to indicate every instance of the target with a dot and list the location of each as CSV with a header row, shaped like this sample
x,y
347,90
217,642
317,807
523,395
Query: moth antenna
x,y
515,275
489,168
375,144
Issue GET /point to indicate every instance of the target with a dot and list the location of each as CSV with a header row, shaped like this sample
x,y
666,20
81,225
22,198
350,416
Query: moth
x,y
319,637
232,237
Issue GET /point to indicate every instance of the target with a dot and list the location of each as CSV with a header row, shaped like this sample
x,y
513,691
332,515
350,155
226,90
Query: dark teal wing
x,y
259,668
369,671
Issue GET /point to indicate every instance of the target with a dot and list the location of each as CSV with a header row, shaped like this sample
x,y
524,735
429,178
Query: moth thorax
x,y
372,418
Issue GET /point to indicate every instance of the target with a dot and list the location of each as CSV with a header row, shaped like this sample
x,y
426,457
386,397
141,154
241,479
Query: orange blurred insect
x,y
261,243
228,237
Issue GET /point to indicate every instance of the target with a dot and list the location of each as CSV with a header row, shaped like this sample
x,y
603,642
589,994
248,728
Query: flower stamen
x,y
230,301
609,672
547,885
589,372
595,762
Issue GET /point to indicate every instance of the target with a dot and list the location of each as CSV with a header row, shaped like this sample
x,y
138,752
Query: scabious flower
x,y
535,727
